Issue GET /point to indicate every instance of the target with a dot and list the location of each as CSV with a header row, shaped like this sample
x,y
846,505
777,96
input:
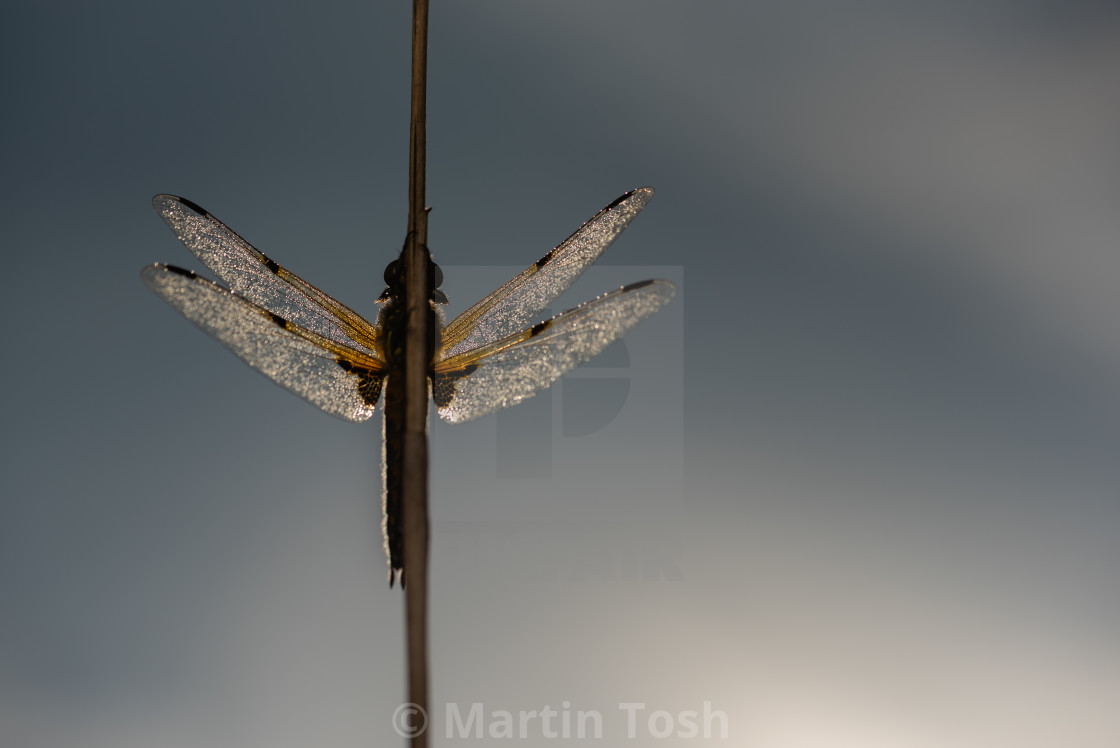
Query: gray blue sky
x,y
859,484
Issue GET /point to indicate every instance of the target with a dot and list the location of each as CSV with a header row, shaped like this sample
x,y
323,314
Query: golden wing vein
x,y
485,380
338,378
519,301
252,275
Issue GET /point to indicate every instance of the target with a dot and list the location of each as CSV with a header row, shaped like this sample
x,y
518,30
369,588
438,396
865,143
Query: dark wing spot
x,y
619,200
270,264
443,384
544,260
193,206
369,387
639,284
179,271
278,320
369,381
540,327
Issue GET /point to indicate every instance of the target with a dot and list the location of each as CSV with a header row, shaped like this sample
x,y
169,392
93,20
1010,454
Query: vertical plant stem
x,y
417,355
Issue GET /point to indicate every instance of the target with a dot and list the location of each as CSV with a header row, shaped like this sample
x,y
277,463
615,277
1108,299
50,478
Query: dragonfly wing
x,y
252,275
504,373
342,380
521,300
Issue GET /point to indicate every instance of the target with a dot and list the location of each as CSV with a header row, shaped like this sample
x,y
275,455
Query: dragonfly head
x,y
394,281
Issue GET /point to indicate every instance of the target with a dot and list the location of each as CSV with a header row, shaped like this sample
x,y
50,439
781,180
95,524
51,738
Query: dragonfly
x,y
490,357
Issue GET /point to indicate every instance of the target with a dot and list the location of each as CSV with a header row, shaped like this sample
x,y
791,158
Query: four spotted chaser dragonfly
x,y
486,359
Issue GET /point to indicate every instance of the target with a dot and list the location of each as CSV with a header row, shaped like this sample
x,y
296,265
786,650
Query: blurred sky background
x,y
860,483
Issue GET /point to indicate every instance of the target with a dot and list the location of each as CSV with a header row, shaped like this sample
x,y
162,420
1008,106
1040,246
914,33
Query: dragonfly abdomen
x,y
393,322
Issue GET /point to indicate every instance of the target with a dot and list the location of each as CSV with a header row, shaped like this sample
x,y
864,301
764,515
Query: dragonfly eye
x,y
436,273
391,273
